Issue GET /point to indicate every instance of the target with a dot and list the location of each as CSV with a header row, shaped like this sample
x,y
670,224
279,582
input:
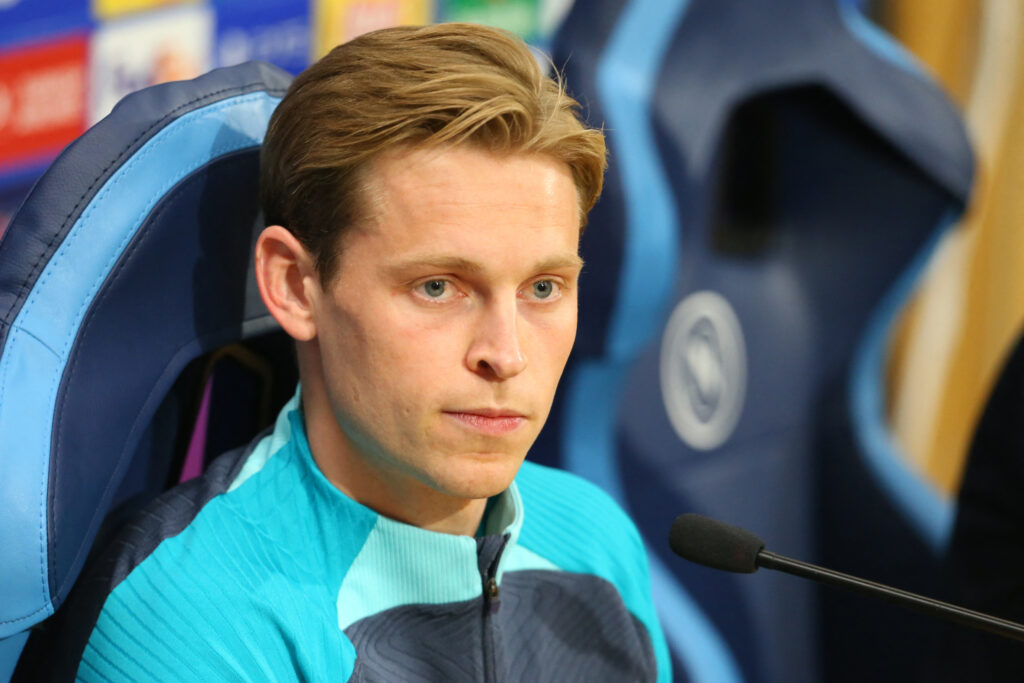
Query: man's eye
x,y
542,289
434,289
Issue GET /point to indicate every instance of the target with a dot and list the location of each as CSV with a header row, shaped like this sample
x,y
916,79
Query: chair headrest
x,y
129,258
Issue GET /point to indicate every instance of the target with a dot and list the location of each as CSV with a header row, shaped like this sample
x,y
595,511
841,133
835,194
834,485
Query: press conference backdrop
x,y
768,217
64,63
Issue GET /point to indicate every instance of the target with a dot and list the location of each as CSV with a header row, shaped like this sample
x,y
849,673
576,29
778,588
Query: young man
x,y
425,190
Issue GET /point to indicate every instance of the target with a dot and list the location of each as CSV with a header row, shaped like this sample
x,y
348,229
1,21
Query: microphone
x,y
723,546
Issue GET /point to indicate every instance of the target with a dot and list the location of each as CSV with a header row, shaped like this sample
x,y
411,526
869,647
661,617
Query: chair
x,y
780,171
123,273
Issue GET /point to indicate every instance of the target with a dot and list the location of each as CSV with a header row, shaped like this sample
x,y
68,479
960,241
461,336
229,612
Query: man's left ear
x,y
288,282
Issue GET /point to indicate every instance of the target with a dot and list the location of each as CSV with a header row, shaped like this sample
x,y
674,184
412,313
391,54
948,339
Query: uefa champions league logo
x,y
703,370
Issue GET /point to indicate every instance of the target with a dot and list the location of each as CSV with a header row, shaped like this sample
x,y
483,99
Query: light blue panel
x,y
878,41
626,77
402,564
517,559
10,650
687,627
588,447
53,312
66,287
270,444
24,593
931,513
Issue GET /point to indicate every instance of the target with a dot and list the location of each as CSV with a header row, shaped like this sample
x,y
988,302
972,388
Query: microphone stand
x,y
920,603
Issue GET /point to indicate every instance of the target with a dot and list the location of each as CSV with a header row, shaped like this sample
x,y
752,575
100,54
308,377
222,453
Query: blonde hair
x,y
457,84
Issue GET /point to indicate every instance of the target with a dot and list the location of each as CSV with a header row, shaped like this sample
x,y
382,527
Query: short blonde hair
x,y
459,84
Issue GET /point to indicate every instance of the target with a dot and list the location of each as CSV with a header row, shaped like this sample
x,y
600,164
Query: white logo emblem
x,y
703,370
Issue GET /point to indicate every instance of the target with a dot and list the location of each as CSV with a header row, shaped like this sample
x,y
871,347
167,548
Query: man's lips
x,y
488,420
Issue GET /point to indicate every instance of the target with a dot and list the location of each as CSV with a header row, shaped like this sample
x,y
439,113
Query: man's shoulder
x,y
566,502
234,525
125,565
221,572
579,527
575,526
208,622
169,515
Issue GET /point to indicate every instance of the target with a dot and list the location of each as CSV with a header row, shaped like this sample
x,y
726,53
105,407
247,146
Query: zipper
x,y
491,599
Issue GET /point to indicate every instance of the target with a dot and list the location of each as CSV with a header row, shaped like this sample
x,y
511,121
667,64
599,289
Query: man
x,y
425,190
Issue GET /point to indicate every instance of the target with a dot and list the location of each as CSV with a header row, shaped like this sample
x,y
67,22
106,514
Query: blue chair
x,y
779,173
124,271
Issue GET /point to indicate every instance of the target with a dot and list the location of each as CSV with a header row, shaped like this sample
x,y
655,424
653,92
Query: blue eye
x,y
542,289
434,289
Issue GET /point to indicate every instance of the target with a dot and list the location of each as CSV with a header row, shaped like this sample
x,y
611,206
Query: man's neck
x,y
411,501
393,494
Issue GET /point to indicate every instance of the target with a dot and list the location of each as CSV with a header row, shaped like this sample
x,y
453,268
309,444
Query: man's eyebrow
x,y
560,262
438,262
464,265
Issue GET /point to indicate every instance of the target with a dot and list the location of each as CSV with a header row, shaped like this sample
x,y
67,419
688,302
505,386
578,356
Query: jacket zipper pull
x,y
491,591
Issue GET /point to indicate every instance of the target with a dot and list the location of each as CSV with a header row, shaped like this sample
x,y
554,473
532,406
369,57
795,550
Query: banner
x,y
133,53
338,21
521,17
42,99
108,9
29,20
269,30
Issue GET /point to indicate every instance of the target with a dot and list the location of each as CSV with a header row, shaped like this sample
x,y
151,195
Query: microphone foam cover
x,y
715,544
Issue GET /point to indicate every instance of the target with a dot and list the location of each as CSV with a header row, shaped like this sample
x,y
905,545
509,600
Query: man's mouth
x,y
488,420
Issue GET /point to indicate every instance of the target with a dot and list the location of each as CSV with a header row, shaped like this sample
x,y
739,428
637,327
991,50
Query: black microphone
x,y
723,546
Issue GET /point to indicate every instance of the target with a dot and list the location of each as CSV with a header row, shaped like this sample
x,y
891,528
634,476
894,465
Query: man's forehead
x,y
408,170
454,178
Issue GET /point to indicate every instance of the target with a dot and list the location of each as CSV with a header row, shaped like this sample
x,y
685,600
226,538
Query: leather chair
x,y
123,277
779,174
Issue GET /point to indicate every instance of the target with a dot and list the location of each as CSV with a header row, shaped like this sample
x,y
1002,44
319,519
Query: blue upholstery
x,y
789,160
129,259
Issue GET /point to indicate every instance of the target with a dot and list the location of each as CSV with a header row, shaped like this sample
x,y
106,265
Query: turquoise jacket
x,y
263,570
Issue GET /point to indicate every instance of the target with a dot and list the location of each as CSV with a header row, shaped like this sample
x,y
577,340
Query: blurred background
x,y
803,296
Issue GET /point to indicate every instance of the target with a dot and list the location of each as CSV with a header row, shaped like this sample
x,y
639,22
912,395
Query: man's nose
x,y
496,351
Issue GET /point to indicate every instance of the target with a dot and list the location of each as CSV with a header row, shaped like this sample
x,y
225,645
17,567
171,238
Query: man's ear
x,y
288,282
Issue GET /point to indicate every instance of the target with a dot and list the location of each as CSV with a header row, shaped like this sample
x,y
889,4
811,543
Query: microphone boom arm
x,y
937,608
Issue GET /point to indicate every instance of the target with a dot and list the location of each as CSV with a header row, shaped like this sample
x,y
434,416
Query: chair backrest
x,y
128,261
777,169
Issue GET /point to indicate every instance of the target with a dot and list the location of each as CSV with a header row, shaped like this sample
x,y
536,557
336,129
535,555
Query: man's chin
x,y
483,476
